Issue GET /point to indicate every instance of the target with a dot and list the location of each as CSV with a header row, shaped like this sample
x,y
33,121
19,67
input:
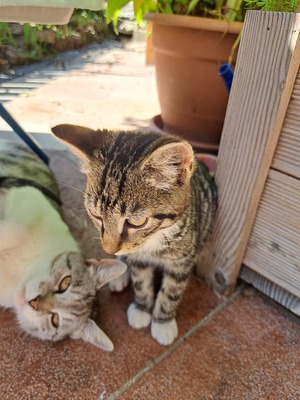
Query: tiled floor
x,y
243,347
238,348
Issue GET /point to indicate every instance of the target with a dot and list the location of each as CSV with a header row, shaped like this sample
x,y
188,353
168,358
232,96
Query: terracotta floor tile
x,y
75,370
248,351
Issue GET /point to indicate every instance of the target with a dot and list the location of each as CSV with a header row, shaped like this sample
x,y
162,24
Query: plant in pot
x,y
191,40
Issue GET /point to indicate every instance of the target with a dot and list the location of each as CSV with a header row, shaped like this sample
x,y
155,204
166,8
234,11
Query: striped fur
x,y
154,206
18,163
43,275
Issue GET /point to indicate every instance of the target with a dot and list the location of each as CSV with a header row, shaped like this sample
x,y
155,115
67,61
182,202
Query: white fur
x,y
120,283
164,333
32,235
26,250
137,318
164,164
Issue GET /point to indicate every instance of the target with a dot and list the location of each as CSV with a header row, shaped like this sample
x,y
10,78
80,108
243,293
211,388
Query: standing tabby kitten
x,y
154,205
43,275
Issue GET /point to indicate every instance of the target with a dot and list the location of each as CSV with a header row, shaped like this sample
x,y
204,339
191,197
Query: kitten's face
x,y
138,184
57,302
138,219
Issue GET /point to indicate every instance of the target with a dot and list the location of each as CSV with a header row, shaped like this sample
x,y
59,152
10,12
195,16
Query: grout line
x,y
176,344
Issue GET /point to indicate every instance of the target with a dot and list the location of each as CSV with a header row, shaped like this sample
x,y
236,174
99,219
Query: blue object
x,y
28,139
226,73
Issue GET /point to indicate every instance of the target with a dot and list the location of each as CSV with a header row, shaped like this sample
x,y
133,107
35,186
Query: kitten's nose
x,y
111,249
34,303
110,246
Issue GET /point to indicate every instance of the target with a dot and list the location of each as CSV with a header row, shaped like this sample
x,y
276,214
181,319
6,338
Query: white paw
x,y
138,318
118,284
164,333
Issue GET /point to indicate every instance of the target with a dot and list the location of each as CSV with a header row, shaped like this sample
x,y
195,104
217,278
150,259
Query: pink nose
x,y
35,303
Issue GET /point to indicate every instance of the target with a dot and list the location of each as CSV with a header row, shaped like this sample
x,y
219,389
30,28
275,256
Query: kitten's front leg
x,y
139,312
164,326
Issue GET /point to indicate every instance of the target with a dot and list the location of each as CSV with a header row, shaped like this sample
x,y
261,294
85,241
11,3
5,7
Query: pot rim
x,y
195,22
155,124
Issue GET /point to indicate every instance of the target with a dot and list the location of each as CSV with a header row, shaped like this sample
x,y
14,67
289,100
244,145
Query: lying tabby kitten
x,y
43,276
153,204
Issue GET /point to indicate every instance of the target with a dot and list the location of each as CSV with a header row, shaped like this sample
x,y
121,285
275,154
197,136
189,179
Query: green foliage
x,y
85,18
225,9
186,7
6,36
230,10
272,5
30,35
39,40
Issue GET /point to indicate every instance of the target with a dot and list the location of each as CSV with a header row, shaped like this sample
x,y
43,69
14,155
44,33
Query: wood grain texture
x,y
266,69
287,155
272,290
273,249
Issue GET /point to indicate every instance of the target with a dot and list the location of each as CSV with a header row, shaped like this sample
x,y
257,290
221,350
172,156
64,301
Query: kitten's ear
x,y
106,270
169,164
81,139
86,143
91,333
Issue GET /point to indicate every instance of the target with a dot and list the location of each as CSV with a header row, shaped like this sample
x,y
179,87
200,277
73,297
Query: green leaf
x,y
192,5
113,9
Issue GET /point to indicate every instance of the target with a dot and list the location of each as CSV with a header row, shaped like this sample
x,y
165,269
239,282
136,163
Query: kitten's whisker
x,y
75,208
92,238
70,186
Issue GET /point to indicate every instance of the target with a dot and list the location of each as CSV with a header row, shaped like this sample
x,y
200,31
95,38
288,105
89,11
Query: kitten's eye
x,y
137,222
55,320
64,284
98,218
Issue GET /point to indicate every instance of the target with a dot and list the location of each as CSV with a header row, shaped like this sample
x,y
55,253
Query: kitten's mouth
x,y
123,252
20,299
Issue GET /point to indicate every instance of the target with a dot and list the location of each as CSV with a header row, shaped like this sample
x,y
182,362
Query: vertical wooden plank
x,y
266,68
287,154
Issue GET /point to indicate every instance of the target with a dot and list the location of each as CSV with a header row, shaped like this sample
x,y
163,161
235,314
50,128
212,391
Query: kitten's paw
x,y
164,333
137,318
118,284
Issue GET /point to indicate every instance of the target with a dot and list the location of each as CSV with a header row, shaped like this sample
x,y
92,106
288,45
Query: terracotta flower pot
x,y
188,53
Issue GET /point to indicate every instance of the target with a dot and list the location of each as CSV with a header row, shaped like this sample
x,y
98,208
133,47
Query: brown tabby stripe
x,y
119,163
19,162
9,182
